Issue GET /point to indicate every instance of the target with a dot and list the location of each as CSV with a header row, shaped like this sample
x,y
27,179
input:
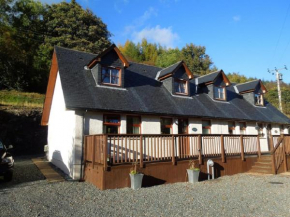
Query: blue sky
x,y
241,36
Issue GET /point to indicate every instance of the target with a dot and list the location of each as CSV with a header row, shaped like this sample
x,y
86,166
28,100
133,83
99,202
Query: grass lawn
x,y
17,98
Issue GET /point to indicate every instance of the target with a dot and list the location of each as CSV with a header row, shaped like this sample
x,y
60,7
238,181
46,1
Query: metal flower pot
x,y
193,175
136,180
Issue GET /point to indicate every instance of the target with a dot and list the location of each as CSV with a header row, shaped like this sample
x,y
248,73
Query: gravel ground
x,y
239,195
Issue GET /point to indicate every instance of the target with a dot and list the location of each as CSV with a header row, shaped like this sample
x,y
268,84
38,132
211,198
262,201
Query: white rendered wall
x,y
150,125
93,123
195,126
219,127
61,132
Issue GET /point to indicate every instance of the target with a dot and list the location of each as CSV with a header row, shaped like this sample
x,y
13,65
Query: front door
x,y
183,140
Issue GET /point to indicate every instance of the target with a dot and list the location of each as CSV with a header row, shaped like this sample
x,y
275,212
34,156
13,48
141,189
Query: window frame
x,y
256,97
206,127
110,68
231,129
166,126
243,128
176,80
112,124
224,90
260,130
134,125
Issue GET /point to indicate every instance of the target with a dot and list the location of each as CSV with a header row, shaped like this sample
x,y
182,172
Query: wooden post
x,y
259,146
93,147
173,151
223,149
199,150
284,155
105,151
271,143
242,147
273,162
141,151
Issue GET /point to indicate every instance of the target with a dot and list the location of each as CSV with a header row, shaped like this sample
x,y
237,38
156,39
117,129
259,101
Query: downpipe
x,y
210,163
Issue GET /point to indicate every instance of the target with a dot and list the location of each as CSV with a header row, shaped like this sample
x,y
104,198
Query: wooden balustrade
x,y
109,150
281,149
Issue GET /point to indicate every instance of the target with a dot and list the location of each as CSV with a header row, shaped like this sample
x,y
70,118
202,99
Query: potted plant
x,y
135,177
193,172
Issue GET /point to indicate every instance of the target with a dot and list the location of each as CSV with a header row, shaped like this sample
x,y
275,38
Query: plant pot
x,y
136,180
193,175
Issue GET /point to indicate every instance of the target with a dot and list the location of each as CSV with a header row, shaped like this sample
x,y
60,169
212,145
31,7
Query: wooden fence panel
x,y
211,145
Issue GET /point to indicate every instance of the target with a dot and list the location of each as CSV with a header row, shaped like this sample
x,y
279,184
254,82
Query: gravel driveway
x,y
239,195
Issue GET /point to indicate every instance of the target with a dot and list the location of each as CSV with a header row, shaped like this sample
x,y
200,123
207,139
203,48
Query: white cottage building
x,y
104,94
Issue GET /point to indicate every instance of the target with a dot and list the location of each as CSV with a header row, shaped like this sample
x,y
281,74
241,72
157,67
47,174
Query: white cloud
x,y
236,18
163,36
117,8
140,21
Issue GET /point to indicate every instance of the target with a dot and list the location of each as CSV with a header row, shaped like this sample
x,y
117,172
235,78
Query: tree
x,y
168,58
30,30
18,42
196,59
131,51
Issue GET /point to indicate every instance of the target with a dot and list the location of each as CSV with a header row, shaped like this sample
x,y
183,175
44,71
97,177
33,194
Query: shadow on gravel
x,y
25,172
149,181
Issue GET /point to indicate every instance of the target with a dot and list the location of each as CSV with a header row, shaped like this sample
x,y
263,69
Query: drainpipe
x,y
210,163
83,142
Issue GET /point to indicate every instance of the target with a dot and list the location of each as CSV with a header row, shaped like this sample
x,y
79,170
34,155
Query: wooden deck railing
x,y
110,150
280,151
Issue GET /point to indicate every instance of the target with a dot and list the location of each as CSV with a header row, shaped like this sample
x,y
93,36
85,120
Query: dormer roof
x,y
114,48
210,78
250,86
169,71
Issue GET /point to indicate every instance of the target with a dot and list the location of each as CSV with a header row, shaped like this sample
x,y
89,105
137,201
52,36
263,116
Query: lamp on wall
x,y
176,122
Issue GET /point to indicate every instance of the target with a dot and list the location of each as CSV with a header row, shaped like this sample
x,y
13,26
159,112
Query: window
x,y
110,76
180,86
282,129
220,93
206,125
111,124
232,127
133,124
259,99
243,128
166,125
260,130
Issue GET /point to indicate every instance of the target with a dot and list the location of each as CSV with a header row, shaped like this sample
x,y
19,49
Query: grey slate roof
x,y
209,77
247,86
169,69
143,94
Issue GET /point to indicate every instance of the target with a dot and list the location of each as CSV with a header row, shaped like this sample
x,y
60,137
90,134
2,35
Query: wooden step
x,y
262,171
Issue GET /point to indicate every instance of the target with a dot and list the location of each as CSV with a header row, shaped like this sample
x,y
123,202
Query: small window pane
x,y
180,86
205,131
110,76
166,125
133,125
206,123
112,119
219,93
110,129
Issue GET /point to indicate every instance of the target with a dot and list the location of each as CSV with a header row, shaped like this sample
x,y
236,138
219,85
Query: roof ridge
x,y
247,82
145,64
209,73
75,50
171,65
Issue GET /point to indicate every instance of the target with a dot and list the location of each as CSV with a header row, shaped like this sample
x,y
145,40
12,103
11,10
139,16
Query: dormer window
x,y
180,86
259,100
110,76
219,93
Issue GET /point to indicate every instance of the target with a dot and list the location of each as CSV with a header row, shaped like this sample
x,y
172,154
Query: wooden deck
x,y
108,158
